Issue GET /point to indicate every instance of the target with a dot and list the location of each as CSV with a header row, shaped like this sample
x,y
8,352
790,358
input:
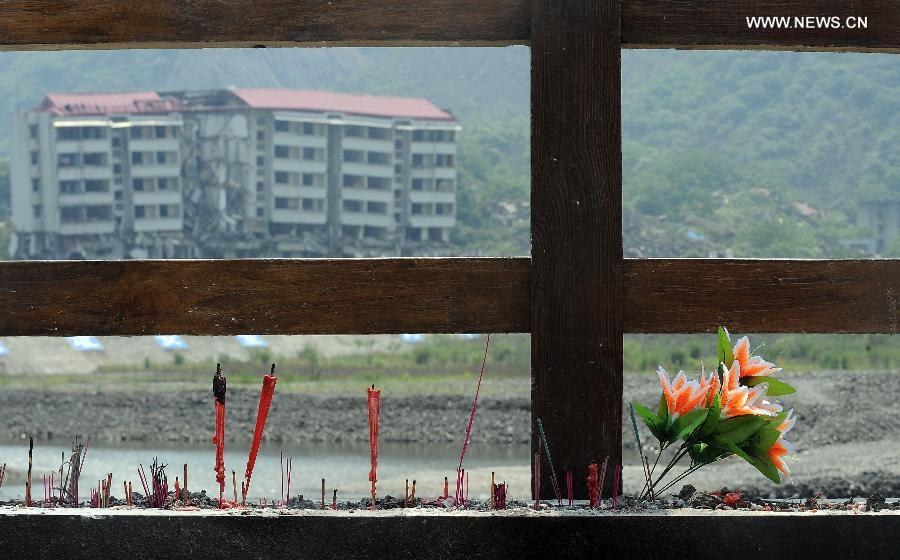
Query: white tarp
x,y
251,341
85,343
170,342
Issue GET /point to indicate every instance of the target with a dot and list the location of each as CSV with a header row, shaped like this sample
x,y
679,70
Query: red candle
x,y
219,385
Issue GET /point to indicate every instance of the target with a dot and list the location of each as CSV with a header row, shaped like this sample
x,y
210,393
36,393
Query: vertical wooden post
x,y
576,229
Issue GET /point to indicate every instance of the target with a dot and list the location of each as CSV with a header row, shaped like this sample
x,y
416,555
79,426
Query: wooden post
x,y
576,229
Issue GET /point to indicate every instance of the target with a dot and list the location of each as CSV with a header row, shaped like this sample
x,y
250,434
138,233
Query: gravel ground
x,y
847,436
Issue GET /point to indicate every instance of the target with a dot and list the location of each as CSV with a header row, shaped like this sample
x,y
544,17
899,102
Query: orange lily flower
x,y
751,365
682,396
783,447
738,400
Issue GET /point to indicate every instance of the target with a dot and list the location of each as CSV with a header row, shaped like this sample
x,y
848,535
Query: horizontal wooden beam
x,y
371,296
34,24
688,24
712,24
761,296
225,297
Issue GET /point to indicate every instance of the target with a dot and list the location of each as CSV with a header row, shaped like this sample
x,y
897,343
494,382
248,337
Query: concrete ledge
x,y
416,534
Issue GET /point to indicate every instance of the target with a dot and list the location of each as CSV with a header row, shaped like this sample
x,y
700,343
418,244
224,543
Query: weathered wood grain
x,y
761,296
723,24
576,229
317,296
192,23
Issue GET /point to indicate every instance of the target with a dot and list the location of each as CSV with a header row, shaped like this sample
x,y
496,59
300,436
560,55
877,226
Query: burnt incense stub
x,y
219,384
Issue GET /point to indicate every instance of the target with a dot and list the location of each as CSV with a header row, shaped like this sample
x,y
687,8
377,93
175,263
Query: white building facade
x,y
233,173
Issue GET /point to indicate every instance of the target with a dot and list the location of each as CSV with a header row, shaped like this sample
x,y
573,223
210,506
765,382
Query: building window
x,y
163,211
33,131
418,160
310,129
137,158
417,184
260,212
313,204
379,158
280,152
98,213
260,186
93,132
70,214
163,158
282,126
446,185
139,184
354,181
96,185
350,155
161,131
117,195
379,133
417,208
35,185
282,177
68,133
355,131
94,158
68,160
137,132
444,160
140,211
444,209
352,206
377,207
37,211
69,187
287,203
312,154
34,158
379,183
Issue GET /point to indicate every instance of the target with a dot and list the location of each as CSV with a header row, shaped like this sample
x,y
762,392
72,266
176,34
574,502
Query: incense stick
x,y
555,482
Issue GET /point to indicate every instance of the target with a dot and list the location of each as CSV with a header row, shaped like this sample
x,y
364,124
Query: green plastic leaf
x,y
662,411
656,425
762,464
724,350
713,418
685,425
776,388
740,428
704,453
764,439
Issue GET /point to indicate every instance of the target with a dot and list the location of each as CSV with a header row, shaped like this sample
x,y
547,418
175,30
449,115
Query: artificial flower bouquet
x,y
727,413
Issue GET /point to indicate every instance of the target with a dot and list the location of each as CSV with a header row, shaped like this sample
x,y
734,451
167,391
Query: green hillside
x,y
721,151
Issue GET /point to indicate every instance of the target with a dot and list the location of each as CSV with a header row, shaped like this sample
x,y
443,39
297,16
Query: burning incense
x,y
602,480
616,480
219,387
406,496
187,496
537,481
412,497
465,446
323,493
645,464
234,485
493,490
290,470
593,486
446,488
569,486
28,479
374,402
334,500
265,401
500,495
2,474
550,461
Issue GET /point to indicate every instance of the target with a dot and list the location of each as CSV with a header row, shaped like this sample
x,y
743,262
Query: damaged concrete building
x,y
232,173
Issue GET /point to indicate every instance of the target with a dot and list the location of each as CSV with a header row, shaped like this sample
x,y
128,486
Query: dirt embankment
x,y
847,435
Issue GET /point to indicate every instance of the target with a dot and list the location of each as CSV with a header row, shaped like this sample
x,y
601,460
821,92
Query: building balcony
x,y
367,169
88,145
291,216
301,140
366,219
87,228
294,191
155,170
433,147
433,220
432,196
84,172
299,165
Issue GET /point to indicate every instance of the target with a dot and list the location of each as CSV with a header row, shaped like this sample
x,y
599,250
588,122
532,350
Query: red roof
x,y
106,103
326,101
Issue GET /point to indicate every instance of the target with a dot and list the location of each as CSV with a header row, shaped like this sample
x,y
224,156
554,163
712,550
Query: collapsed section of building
x,y
232,173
